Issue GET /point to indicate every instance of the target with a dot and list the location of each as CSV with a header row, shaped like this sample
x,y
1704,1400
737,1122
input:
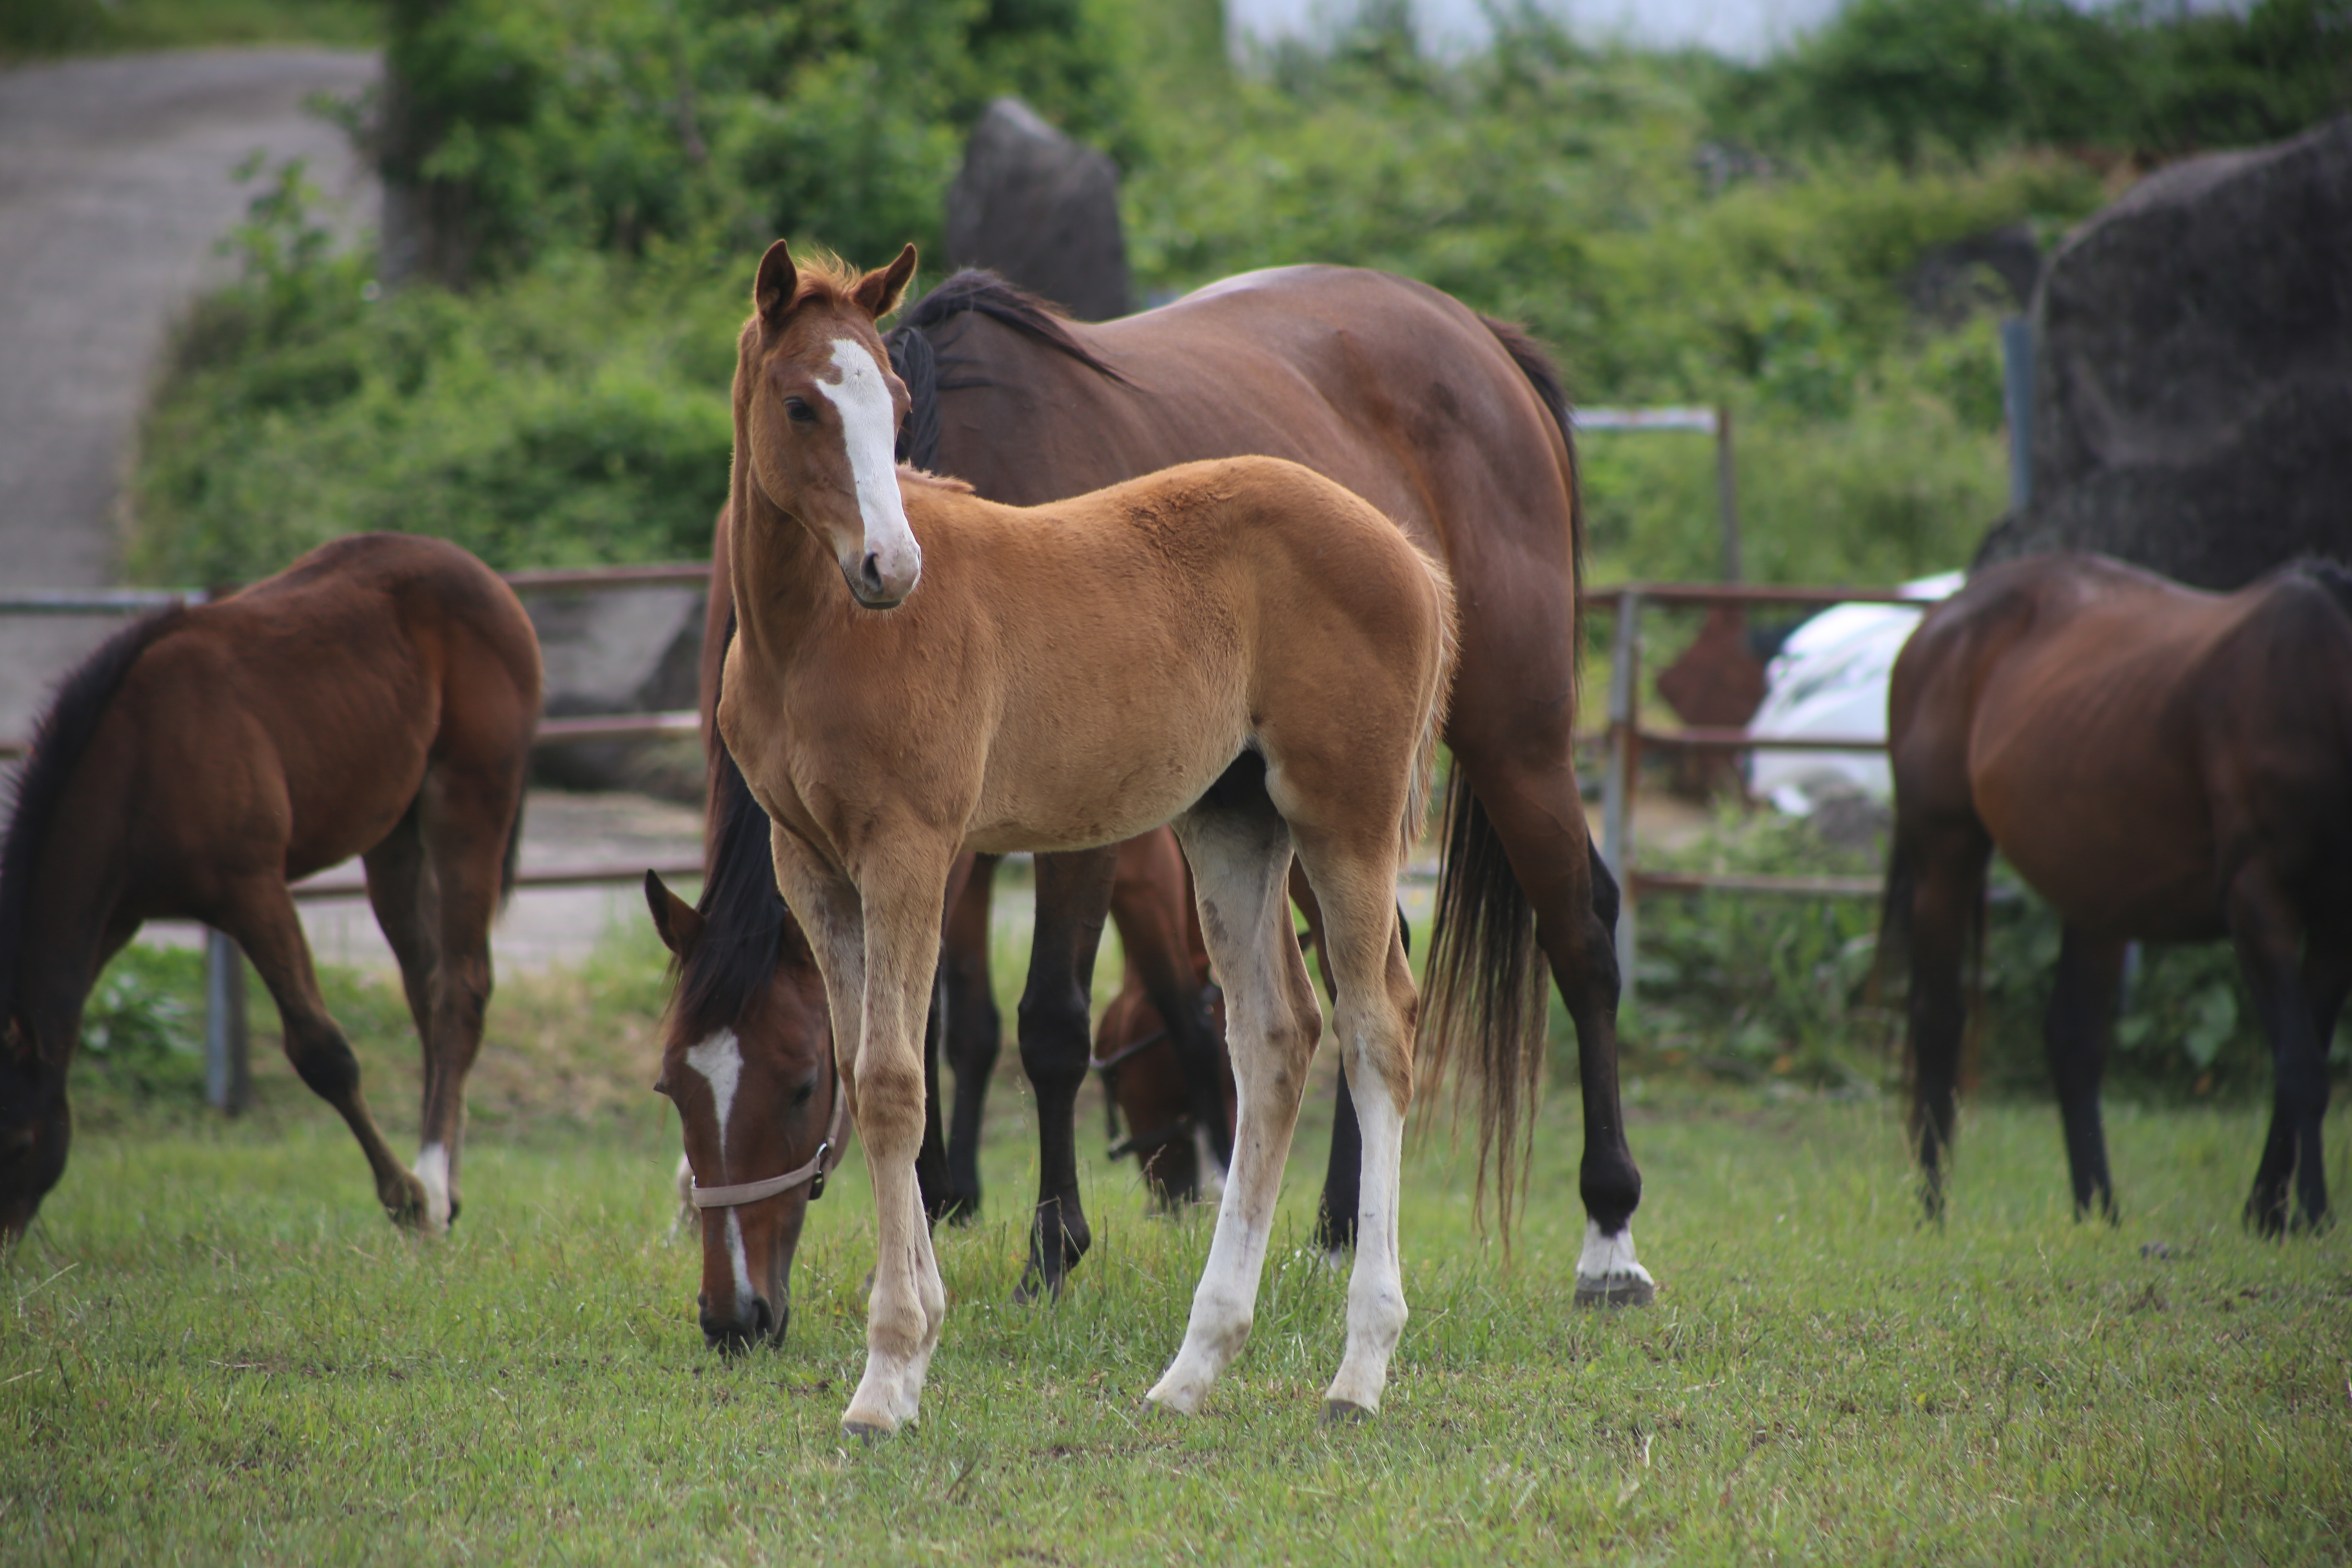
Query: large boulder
x,y
612,651
2193,371
1041,210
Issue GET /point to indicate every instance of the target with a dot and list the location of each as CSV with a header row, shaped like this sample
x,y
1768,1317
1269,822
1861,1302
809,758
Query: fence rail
x,y
1624,740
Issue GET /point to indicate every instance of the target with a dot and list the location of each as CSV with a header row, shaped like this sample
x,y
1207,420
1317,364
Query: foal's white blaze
x,y
869,427
432,1170
1607,1259
742,1265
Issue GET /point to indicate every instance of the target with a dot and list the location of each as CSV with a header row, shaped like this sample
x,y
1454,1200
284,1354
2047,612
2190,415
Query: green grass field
x,y
215,1348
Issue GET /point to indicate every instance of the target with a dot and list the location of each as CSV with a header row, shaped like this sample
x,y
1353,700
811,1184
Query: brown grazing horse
x,y
1452,424
2160,764
1243,647
1143,1078
377,698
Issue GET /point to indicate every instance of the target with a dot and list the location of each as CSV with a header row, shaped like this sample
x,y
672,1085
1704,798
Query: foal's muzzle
x,y
879,585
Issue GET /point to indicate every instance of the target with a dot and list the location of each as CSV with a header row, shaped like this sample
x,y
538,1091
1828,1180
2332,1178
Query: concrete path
x,y
115,187
115,192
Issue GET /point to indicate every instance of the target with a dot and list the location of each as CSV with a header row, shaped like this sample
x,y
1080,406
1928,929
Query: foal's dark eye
x,y
799,411
806,1092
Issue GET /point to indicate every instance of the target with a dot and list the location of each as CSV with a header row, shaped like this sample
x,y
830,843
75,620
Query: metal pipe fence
x,y
1626,736
226,1074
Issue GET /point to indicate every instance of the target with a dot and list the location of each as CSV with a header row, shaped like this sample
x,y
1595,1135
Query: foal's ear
x,y
878,292
779,279
677,921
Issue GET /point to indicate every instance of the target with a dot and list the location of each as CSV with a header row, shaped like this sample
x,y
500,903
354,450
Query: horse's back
x,y
1386,386
2115,732
296,718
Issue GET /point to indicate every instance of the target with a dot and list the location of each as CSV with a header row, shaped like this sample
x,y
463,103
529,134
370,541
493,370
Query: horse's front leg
x,y
2268,931
877,943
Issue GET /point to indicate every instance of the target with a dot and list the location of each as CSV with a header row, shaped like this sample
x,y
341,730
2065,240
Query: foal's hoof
x,y
1616,1290
1346,1413
867,1433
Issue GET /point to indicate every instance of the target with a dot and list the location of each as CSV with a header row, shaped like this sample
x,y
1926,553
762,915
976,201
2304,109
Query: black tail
x,y
1487,994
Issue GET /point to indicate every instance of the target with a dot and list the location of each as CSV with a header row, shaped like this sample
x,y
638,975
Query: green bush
x,y
1755,984
142,1029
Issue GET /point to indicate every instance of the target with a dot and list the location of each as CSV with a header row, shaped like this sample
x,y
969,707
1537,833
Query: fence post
x,y
229,1081
1727,491
1617,784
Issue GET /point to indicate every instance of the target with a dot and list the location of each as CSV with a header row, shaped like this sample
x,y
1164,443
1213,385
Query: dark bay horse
x,y
1453,425
2159,763
1241,648
378,698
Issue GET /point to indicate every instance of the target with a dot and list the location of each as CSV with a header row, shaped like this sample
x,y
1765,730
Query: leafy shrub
x,y
142,1029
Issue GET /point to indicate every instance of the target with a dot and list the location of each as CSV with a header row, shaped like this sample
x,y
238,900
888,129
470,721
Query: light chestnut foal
x,y
1241,647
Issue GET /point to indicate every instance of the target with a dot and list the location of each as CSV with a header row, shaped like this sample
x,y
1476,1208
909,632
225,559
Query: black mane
x,y
58,743
916,358
2330,575
745,925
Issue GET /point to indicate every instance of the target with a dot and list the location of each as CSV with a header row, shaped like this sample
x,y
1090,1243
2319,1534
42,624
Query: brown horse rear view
x,y
377,698
2160,764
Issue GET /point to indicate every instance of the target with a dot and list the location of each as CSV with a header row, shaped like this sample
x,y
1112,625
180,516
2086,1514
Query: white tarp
x,y
1830,679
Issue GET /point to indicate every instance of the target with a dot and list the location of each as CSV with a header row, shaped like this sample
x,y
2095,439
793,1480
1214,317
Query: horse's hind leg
x,y
1376,1009
259,913
1948,859
1527,804
2075,1032
466,816
1058,1049
1240,853
2267,932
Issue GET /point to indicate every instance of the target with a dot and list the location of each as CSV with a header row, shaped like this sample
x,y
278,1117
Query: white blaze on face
x,y
719,1060
869,429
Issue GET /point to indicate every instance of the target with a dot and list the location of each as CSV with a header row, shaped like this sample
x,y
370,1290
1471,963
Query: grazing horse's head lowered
x,y
746,1058
823,412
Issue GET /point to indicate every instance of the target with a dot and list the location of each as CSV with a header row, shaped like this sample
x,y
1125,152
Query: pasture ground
x,y
211,1348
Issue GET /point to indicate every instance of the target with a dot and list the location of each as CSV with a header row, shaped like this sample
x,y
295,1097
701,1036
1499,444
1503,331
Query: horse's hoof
x,y
1616,1290
408,1208
867,1433
1346,1413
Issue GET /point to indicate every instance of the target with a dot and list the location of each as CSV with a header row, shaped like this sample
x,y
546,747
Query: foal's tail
x,y
1433,716
1486,992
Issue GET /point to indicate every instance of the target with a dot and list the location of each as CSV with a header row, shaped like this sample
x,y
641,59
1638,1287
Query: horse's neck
x,y
782,578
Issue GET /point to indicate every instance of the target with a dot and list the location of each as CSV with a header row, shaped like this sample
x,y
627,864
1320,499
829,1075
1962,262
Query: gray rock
x,y
2193,370
630,651
1041,210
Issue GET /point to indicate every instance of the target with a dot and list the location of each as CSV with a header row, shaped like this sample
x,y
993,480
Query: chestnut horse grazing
x,y
378,698
2161,764
1142,1076
1241,646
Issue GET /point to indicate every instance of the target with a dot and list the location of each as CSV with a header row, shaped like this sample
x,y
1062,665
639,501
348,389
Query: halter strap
x,y
826,1159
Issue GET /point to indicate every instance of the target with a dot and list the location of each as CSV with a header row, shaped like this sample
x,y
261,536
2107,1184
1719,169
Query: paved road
x,y
115,187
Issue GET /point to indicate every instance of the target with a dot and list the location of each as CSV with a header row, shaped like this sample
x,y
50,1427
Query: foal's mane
x,y
916,358
58,742
745,921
